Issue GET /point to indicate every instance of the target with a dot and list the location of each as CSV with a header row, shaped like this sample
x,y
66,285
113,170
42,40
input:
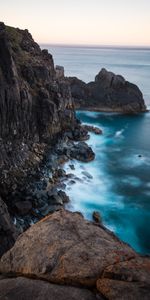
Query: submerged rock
x,y
109,92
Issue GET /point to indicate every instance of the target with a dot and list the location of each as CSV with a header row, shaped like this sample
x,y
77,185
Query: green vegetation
x,y
14,36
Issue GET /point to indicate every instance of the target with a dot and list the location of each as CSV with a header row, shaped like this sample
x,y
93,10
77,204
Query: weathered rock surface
x,y
29,289
126,280
64,248
109,92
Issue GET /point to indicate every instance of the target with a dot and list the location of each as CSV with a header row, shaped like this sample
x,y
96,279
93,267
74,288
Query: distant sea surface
x,y
86,62
119,185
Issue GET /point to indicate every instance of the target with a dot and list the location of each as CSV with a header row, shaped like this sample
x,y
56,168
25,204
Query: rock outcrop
x,y
35,107
109,92
65,249
36,112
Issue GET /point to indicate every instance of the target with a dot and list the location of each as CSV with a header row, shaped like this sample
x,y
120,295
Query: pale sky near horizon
x,y
90,22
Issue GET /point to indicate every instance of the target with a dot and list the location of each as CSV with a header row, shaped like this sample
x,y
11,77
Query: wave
x,y
119,133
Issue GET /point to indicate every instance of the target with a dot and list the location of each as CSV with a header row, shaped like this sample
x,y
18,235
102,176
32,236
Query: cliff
x,y
35,107
109,92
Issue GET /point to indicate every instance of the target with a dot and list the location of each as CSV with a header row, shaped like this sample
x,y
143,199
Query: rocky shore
x,y
47,252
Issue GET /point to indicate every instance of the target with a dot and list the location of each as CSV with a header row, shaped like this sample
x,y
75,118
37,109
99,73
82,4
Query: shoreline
x,y
107,110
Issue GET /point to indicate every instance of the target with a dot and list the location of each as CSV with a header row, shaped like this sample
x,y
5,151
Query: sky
x,y
81,22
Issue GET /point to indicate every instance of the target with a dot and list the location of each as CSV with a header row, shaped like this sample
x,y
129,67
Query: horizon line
x,y
146,47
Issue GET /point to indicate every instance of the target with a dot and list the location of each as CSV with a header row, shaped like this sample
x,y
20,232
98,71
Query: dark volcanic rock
x,y
96,216
94,129
35,107
109,92
29,289
81,151
8,232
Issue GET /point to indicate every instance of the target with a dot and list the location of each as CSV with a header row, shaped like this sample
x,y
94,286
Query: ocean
x,y
118,183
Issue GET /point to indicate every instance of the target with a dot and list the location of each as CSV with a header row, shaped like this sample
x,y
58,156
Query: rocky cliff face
x,y
35,107
109,92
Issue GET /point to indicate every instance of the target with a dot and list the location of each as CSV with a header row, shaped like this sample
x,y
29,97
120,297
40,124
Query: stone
x,y
29,289
96,216
87,174
59,72
109,92
63,196
23,207
82,152
72,167
94,129
63,248
126,280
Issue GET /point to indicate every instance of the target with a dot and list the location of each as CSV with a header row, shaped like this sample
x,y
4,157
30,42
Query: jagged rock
x,y
23,207
8,232
35,107
87,174
81,151
109,92
96,130
29,289
59,72
65,248
126,280
96,217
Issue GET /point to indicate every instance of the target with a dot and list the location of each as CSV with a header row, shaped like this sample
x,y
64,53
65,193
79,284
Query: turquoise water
x,y
120,187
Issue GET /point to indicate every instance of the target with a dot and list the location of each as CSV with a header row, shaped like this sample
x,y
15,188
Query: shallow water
x,y
120,187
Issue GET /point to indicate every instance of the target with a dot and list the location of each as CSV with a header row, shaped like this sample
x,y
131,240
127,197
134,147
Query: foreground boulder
x,y
109,92
65,249
29,289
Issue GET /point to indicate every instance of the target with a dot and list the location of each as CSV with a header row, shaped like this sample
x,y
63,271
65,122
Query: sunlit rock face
x,y
65,249
109,92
